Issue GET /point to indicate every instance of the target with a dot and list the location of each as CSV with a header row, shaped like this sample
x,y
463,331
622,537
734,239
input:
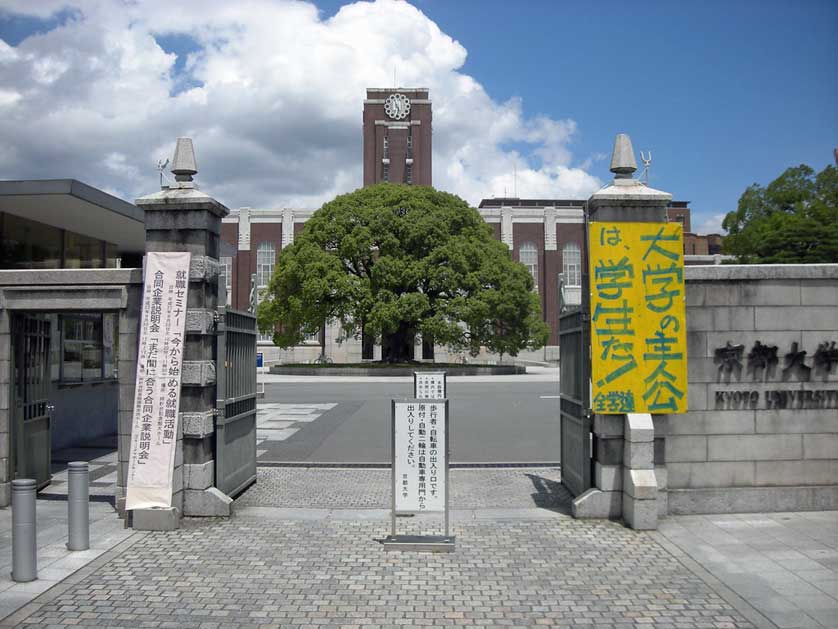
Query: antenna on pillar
x,y
161,166
647,161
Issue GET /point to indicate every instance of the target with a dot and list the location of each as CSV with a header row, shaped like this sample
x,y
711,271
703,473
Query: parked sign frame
x,y
432,543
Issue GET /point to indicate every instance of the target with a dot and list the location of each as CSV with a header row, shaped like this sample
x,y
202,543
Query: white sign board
x,y
420,455
429,385
157,395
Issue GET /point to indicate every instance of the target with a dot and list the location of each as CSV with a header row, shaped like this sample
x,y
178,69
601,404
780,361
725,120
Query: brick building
x,y
547,235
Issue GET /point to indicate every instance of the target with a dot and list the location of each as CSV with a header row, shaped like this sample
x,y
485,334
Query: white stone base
x,y
155,519
598,504
207,503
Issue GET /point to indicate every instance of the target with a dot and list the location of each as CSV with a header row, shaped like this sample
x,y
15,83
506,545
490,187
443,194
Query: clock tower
x,y
397,136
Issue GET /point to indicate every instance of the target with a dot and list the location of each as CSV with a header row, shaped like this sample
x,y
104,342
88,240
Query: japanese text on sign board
x,y
157,393
430,385
638,331
420,456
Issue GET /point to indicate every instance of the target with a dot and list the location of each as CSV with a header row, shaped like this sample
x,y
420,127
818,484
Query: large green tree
x,y
792,220
396,260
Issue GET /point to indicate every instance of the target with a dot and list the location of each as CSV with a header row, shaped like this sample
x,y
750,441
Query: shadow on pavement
x,y
550,494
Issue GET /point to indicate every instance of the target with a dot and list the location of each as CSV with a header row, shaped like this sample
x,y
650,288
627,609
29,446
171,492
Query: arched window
x,y
265,261
528,255
572,264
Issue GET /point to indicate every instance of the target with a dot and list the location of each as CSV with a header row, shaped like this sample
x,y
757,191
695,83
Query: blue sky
x,y
724,94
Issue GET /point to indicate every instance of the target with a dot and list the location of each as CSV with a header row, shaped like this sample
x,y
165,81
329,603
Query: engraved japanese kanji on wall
x,y
638,327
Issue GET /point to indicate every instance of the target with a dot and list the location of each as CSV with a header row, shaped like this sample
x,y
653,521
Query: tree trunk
x,y
398,346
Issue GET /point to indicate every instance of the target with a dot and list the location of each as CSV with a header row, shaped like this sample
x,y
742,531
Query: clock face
x,y
397,106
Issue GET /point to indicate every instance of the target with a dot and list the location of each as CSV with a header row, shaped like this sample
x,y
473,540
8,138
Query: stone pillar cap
x,y
622,159
184,165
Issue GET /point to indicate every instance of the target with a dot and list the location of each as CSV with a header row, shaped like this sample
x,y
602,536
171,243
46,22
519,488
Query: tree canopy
x,y
396,260
792,220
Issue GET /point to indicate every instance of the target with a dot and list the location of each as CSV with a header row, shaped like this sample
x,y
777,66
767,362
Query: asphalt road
x,y
491,422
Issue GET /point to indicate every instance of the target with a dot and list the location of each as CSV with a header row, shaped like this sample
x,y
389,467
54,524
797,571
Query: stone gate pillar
x,y
182,218
625,478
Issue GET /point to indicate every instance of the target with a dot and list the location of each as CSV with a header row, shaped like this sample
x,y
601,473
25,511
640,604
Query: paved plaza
x,y
303,549
266,572
353,488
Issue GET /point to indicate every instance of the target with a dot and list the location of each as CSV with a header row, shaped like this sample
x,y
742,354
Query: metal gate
x,y
31,409
235,422
574,402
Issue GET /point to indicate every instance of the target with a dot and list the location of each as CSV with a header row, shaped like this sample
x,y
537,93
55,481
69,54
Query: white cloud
x,y
710,224
8,97
272,97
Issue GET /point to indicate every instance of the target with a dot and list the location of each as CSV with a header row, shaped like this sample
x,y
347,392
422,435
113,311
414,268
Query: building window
x,y
572,264
88,347
528,255
226,271
83,252
410,147
427,348
386,154
26,244
367,345
265,261
385,172
408,173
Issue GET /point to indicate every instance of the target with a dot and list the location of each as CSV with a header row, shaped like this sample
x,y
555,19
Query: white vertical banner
x,y
154,427
420,455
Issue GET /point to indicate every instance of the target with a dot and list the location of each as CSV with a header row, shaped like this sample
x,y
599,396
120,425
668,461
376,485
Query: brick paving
x,y
268,572
290,564
354,488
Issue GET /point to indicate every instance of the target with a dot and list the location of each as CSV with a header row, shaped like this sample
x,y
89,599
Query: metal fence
x,y
235,423
574,402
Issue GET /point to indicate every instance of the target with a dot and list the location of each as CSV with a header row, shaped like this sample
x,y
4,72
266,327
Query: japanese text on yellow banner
x,y
638,331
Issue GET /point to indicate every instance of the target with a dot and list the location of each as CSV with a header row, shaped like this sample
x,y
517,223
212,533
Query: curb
x,y
398,372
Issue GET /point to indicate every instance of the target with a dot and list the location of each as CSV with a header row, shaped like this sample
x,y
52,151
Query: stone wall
x,y
762,431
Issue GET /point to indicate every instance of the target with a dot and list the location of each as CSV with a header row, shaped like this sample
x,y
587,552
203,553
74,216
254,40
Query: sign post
x,y
430,385
420,449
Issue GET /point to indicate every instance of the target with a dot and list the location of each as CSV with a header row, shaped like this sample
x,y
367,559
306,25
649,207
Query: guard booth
x,y
66,285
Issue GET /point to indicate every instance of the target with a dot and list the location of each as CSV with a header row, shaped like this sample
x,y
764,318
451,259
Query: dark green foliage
x,y
400,260
792,220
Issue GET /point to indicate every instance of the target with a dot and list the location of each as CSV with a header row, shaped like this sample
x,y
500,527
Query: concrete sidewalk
x,y
55,562
784,565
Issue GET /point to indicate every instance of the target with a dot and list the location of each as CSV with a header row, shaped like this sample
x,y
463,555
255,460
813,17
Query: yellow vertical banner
x,y
638,318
